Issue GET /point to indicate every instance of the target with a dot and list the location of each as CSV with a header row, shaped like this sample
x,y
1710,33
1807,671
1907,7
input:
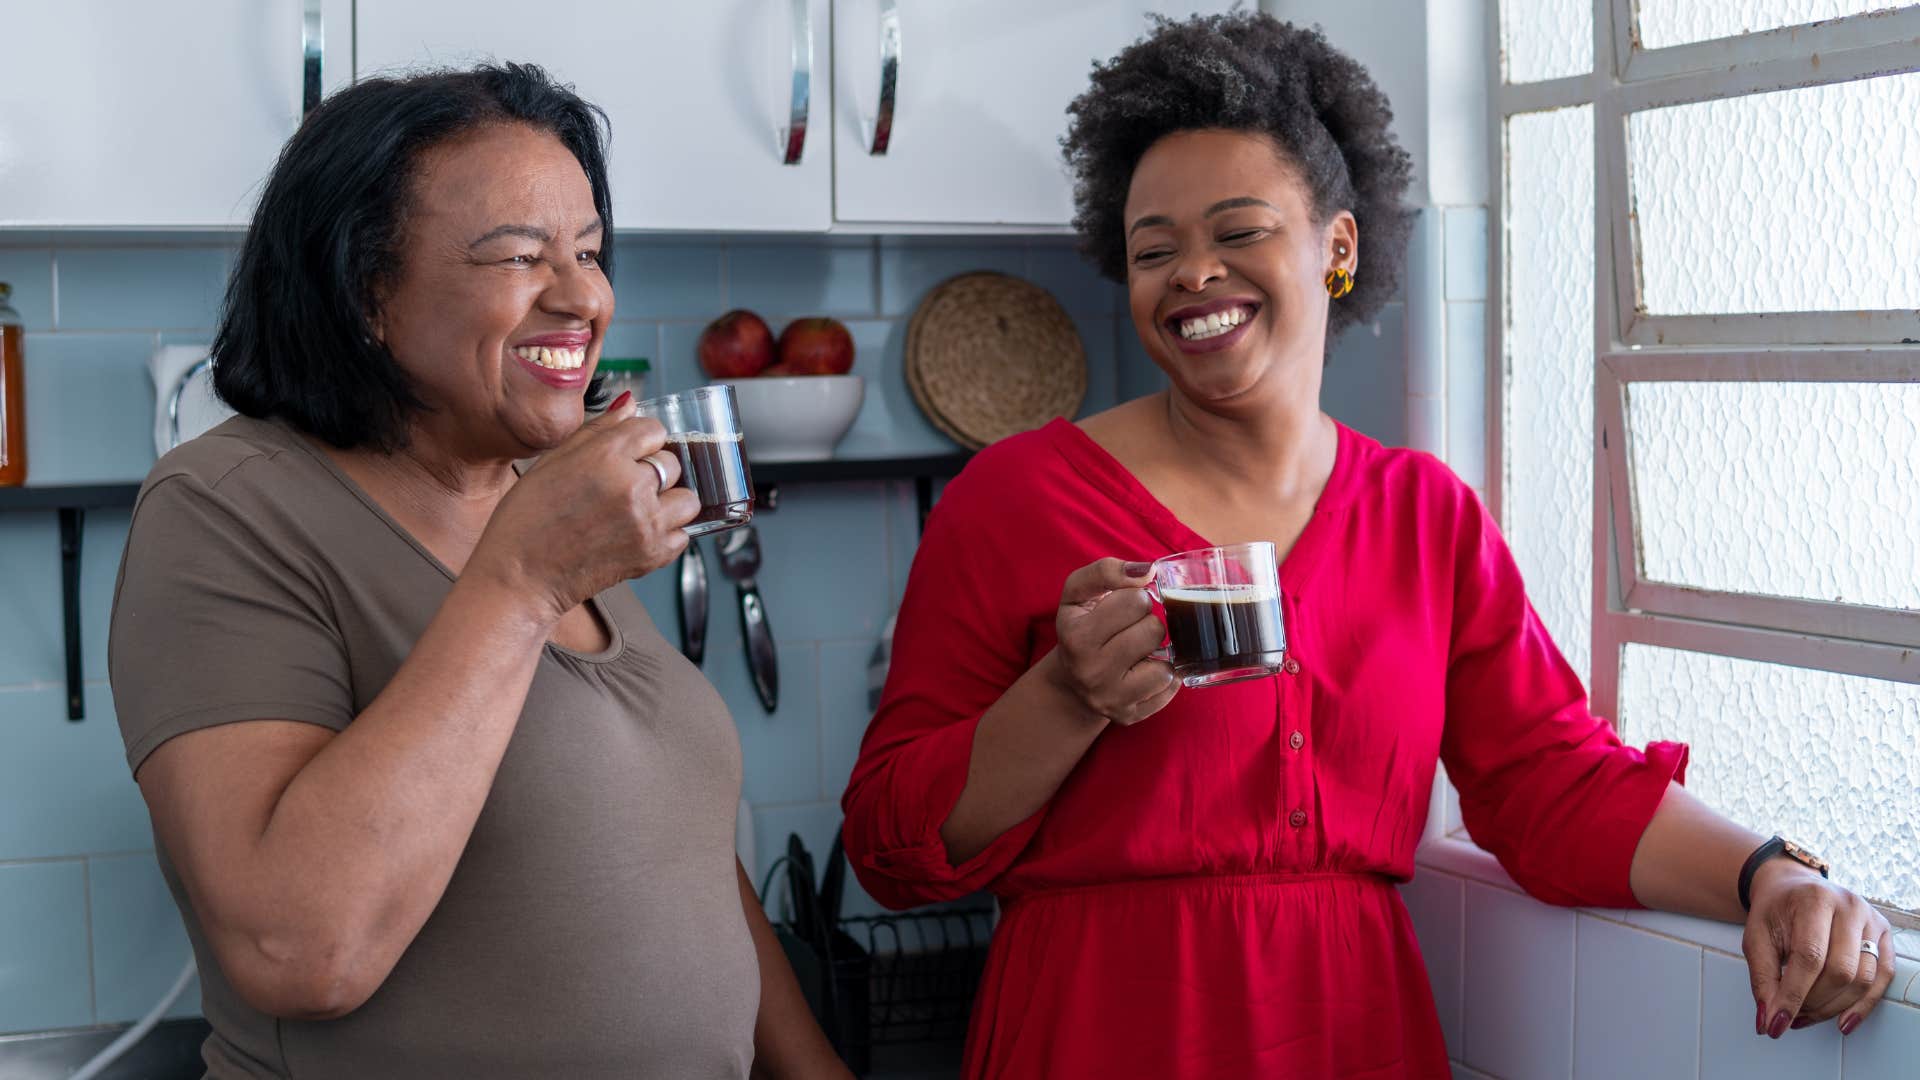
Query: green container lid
x,y
623,365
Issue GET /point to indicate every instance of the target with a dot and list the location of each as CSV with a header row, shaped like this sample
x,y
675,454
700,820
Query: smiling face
x,y
1226,268
500,306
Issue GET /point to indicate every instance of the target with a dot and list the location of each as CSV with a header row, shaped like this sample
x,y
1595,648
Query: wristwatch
x,y
1776,846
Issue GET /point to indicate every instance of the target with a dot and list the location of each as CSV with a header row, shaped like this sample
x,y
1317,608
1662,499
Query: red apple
x,y
736,345
816,347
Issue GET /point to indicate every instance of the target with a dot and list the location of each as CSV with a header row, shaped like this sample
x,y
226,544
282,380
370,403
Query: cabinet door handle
x,y
793,137
889,76
312,41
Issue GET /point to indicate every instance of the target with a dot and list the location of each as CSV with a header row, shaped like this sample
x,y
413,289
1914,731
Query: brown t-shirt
x,y
593,925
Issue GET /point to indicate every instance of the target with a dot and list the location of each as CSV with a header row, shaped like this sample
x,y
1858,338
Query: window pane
x,y
1676,22
1799,200
1807,490
1546,39
1548,424
1823,759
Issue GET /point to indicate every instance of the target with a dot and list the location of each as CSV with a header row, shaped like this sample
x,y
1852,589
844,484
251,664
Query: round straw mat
x,y
989,355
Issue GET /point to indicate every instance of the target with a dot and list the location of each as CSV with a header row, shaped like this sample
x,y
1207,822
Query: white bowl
x,y
798,418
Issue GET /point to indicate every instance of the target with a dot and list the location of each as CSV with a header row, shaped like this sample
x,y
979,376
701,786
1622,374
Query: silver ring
x,y
660,471
1870,948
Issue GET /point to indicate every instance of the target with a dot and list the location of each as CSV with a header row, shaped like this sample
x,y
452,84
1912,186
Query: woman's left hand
x,y
1805,951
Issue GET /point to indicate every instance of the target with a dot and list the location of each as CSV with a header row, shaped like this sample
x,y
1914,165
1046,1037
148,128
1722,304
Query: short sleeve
x,y
1545,785
958,646
215,622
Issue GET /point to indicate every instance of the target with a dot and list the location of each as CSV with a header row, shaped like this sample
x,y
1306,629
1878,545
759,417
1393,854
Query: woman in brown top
x,y
433,795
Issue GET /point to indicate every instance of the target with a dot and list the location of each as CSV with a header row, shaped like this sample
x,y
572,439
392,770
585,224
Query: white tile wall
x,y
1437,903
1885,1046
1636,1003
1729,1049
1519,986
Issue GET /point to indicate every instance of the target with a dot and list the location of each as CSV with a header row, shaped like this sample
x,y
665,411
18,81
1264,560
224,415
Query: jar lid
x,y
622,365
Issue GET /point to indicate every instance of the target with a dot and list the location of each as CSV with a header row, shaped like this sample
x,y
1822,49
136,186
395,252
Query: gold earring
x,y
1339,283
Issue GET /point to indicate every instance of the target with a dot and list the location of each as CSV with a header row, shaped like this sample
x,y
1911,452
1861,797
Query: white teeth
x,y
1214,325
553,359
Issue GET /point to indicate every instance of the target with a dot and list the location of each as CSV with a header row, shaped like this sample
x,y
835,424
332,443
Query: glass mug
x,y
1223,616
703,431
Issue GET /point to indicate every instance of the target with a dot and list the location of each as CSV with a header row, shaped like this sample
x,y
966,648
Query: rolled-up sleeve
x,y
959,644
1545,785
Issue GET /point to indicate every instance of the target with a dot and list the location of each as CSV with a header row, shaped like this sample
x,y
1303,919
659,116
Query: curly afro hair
x,y
1246,72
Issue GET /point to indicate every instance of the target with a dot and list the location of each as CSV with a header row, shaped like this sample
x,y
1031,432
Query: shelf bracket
x,y
71,519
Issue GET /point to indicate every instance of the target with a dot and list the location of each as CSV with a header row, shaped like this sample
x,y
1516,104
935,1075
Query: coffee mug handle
x,y
1164,653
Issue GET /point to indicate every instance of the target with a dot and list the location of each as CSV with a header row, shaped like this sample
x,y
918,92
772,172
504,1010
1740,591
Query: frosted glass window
x,y
1546,39
1807,490
1820,758
1676,22
1548,495
1798,200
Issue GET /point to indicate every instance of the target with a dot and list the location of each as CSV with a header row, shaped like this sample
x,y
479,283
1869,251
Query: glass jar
x,y
13,394
621,374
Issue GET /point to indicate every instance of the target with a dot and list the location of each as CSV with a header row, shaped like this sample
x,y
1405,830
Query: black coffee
x,y
713,468
1221,628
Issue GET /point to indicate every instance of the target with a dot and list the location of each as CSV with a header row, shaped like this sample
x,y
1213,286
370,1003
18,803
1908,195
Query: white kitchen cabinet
x,y
698,94
980,97
151,115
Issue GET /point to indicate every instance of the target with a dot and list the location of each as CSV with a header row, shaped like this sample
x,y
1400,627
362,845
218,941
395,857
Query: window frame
x,y
1631,346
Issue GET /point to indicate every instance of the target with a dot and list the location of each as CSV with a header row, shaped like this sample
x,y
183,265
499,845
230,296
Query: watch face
x,y
1800,854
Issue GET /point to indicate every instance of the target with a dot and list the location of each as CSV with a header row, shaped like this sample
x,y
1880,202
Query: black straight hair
x,y
296,337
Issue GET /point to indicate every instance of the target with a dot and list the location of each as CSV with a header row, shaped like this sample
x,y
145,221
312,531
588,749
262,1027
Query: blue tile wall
x,y
911,266
666,279
64,788
782,281
44,980
30,272
139,944
141,288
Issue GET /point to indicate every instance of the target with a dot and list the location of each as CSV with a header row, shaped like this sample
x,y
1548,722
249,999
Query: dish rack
x,y
877,981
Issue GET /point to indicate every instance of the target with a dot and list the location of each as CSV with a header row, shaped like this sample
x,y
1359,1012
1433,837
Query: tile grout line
x,y
1461,938
1700,1021
1573,1005
820,719
86,910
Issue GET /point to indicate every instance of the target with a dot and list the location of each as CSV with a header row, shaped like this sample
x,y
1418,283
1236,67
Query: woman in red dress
x,y
1200,883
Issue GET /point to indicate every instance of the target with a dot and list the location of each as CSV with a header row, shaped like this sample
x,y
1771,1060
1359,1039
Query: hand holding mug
x,y
1106,660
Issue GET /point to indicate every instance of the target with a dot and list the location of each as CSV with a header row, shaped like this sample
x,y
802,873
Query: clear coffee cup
x,y
703,430
1222,608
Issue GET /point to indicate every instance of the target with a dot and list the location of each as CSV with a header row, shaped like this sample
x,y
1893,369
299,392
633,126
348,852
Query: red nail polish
x,y
1779,1026
1847,1025
1760,1019
625,396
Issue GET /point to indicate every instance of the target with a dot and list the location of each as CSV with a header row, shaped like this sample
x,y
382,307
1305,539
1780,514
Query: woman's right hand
x,y
1108,635
590,513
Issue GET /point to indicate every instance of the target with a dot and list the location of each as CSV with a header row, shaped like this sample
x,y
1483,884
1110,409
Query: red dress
x,y
1211,891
